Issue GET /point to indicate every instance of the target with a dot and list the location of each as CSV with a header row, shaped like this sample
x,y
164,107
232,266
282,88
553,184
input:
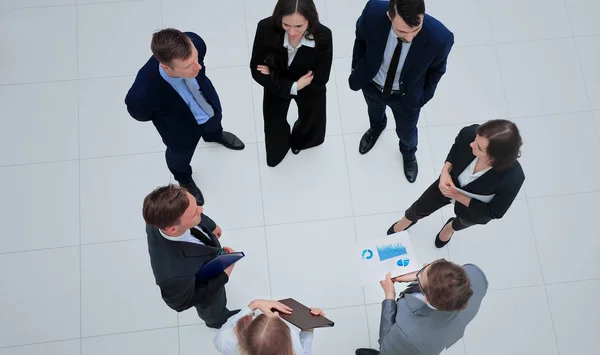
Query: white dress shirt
x,y
468,175
226,340
186,237
390,46
292,54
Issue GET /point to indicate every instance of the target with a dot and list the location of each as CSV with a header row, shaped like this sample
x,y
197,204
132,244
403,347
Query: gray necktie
x,y
199,98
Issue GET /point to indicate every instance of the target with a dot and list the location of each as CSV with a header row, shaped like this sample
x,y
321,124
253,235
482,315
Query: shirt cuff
x,y
294,89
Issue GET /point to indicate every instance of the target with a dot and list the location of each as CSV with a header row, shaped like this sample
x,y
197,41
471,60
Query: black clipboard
x,y
301,316
218,265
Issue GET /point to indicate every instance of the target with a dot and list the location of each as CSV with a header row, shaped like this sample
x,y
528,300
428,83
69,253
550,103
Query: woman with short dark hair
x,y
291,59
481,176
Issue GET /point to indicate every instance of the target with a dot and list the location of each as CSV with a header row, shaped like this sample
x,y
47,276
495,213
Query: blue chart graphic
x,y
367,254
390,251
403,262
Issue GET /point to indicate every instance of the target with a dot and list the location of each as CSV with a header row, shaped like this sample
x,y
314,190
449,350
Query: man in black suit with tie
x,y
399,57
173,91
181,239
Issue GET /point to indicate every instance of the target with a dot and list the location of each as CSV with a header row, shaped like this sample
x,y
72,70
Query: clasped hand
x,y
447,187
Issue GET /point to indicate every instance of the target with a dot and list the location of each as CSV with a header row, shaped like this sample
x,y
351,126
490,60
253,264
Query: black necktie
x,y
391,73
412,288
202,237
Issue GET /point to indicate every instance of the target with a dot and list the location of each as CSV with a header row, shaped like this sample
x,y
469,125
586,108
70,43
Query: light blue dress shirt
x,y
179,85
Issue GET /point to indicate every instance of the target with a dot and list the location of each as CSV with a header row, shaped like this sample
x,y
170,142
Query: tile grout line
x,y
79,183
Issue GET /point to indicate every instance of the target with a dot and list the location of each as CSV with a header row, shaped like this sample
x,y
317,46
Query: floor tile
x,y
54,32
154,342
532,84
101,40
69,347
421,236
47,282
250,277
318,282
17,4
348,334
111,205
467,19
534,20
377,178
197,339
230,183
309,186
567,312
105,126
597,122
588,49
564,226
40,132
543,177
583,16
49,193
236,102
513,233
226,45
511,314
342,22
133,303
472,72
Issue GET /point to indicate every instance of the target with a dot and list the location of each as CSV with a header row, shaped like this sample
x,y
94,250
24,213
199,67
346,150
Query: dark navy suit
x,y
151,98
424,66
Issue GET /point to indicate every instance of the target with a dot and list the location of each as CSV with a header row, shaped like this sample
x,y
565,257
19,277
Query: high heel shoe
x,y
391,229
438,241
295,151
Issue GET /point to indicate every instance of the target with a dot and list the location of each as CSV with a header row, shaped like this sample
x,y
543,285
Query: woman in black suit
x,y
291,59
483,163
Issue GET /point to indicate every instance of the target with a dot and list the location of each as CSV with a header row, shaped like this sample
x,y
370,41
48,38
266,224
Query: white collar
x,y
472,168
185,237
303,42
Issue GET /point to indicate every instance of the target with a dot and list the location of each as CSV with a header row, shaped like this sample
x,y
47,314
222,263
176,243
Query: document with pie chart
x,y
393,253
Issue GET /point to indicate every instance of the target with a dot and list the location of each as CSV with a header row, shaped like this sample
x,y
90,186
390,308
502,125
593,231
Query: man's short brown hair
x,y
164,206
170,44
448,286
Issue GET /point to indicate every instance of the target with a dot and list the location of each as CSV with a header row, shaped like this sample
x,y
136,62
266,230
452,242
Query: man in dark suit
x,y
173,91
180,241
399,56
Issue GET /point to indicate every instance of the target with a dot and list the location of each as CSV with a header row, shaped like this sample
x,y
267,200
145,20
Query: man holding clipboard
x,y
182,241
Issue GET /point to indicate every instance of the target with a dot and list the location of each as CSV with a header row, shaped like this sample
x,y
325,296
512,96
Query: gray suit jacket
x,y
410,327
175,265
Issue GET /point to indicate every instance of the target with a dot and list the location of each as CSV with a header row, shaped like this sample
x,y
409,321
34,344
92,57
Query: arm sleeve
x,y
437,69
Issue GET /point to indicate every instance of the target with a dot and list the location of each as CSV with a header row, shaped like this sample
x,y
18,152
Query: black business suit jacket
x,y
317,59
151,98
505,184
175,265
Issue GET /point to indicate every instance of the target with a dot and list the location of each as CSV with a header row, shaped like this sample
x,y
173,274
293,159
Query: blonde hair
x,y
264,335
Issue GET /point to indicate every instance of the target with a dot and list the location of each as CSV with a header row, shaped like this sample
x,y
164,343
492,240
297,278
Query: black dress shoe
x,y
195,191
391,230
295,151
228,315
365,351
368,141
229,140
411,169
438,242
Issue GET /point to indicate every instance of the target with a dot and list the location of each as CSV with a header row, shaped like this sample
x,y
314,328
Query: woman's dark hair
x,y
264,336
409,10
283,8
504,147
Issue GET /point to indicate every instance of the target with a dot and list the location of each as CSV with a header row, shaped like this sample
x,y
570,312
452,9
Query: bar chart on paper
x,y
393,254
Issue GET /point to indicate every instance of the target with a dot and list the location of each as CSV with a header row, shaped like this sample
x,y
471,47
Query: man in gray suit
x,y
181,239
433,312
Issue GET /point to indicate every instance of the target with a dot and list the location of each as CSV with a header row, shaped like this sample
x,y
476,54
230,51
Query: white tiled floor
x,y
74,169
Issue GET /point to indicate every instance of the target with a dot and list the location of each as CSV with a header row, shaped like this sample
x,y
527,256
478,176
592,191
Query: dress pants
x,y
406,118
216,311
178,159
430,201
309,129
